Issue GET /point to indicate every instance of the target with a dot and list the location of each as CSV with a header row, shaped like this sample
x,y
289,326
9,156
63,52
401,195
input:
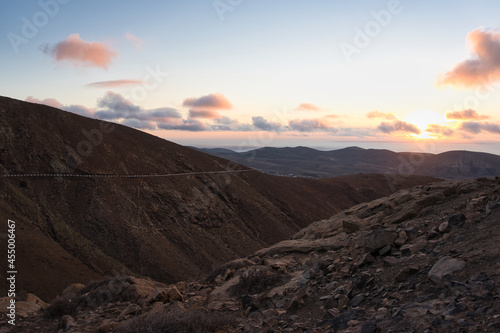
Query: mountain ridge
x,y
456,164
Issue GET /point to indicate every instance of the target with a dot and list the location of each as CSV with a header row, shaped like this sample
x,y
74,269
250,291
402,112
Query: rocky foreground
x,y
425,259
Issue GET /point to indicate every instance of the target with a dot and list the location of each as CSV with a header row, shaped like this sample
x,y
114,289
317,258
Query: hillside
x,y
308,162
423,259
77,229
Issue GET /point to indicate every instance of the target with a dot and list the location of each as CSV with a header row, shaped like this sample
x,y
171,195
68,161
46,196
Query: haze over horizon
x,y
399,75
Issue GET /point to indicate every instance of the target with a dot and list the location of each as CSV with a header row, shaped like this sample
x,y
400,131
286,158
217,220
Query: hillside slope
x,y
424,259
168,228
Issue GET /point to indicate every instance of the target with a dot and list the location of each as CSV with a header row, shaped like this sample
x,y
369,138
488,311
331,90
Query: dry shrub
x,y
176,321
256,282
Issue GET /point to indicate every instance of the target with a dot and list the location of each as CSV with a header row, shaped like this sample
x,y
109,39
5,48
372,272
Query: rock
x,y
31,298
350,226
66,323
26,309
301,246
158,295
131,309
390,261
223,293
457,219
402,238
419,245
377,239
406,272
443,267
444,227
490,206
430,200
356,300
72,291
296,303
406,212
365,259
145,287
174,294
385,250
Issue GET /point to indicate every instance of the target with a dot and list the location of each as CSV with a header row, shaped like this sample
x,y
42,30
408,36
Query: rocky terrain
x,y
424,259
79,229
308,162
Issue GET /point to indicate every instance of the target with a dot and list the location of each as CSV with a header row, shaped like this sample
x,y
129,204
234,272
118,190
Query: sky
x,y
404,75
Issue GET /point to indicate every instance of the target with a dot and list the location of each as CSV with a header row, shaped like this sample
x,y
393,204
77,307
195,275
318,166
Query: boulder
x,y
402,238
174,294
377,239
72,291
443,267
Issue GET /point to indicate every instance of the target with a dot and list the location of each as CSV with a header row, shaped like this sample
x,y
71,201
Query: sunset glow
x,y
309,73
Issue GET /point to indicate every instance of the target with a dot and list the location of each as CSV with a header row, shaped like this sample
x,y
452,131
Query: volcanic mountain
x,y
88,202
303,161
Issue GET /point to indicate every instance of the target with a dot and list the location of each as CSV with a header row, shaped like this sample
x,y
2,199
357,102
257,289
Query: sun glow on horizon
x,y
422,119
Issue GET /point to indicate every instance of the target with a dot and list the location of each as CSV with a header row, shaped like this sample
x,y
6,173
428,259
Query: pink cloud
x,y
113,84
308,107
482,67
48,101
81,53
377,114
211,101
135,41
77,109
465,114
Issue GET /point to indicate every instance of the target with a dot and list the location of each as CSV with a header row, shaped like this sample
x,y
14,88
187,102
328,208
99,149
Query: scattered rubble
x,y
423,260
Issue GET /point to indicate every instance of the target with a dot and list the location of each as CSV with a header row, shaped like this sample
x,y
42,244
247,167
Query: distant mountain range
x,y
308,162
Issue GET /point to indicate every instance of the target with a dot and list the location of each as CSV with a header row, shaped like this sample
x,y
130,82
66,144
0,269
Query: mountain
x,y
423,259
169,228
308,162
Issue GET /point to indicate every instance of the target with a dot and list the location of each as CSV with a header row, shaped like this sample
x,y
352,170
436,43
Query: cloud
x,y
192,125
113,84
308,107
114,106
228,124
476,127
135,41
141,124
262,124
204,114
483,66
310,125
398,126
81,53
465,114
211,101
332,116
48,101
77,109
439,129
377,114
